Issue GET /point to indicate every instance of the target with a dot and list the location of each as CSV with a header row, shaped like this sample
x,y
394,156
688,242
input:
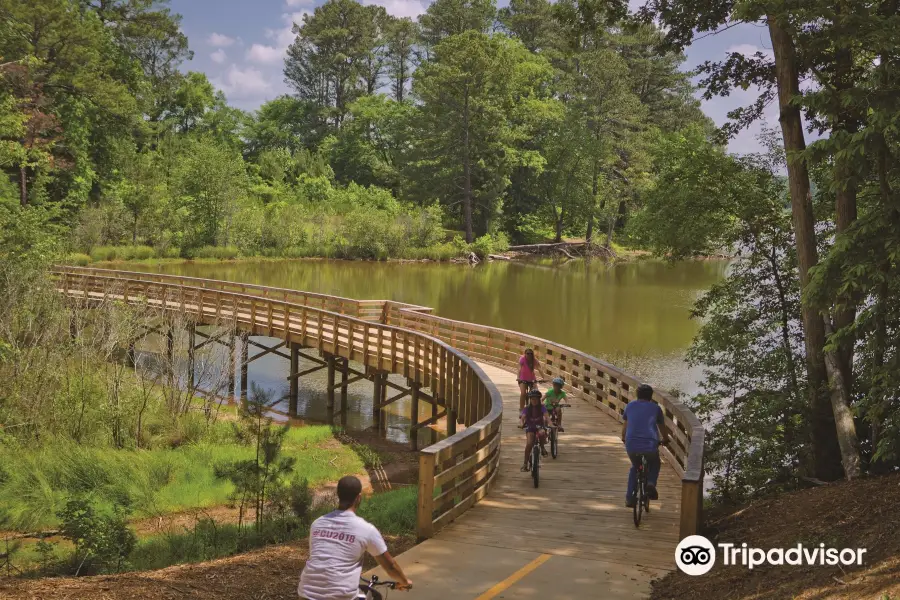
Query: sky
x,y
241,46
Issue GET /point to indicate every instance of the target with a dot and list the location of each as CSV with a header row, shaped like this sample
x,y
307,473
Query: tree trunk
x,y
467,176
23,186
589,235
843,416
826,454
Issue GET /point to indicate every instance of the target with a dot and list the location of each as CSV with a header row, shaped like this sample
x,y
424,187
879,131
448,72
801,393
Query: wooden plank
x,y
425,507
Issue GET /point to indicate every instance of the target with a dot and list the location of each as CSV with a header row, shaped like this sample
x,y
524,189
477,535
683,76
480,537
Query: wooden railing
x,y
453,474
592,380
368,310
588,378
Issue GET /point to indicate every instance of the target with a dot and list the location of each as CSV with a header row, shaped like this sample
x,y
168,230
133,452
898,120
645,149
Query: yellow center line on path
x,y
514,578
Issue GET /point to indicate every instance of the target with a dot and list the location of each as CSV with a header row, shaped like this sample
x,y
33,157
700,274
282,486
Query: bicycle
x,y
529,386
536,456
368,591
554,432
642,503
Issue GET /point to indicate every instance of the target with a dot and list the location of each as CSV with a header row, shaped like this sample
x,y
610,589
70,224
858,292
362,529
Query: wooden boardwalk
x,y
570,538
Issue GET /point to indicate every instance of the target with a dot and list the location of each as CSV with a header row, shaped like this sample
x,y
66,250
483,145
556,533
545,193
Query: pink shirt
x,y
525,372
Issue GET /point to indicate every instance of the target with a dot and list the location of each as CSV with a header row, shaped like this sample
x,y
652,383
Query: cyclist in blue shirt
x,y
642,429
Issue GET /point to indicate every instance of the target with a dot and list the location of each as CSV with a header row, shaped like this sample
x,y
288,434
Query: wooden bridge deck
x,y
570,538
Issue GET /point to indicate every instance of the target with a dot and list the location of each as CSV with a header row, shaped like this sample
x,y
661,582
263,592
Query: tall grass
x,y
392,512
36,483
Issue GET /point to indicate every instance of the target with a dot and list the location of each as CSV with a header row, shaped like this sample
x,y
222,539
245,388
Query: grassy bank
x,y
37,482
393,513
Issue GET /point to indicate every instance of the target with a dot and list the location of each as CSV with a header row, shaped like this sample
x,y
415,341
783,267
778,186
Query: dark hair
x,y
644,392
530,360
348,490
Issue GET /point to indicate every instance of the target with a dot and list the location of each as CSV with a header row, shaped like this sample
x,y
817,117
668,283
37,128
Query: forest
x,y
532,122
465,130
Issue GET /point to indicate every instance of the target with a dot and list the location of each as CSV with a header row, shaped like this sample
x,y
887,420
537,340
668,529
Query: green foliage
x,y
102,542
218,252
392,512
111,253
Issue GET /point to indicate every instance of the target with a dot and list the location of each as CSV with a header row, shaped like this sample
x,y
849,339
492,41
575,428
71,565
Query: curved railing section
x,y
453,473
592,380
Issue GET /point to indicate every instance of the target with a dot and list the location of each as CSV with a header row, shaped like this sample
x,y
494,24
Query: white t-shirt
x,y
338,542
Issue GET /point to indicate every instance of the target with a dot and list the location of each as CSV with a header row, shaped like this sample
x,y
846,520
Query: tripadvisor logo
x,y
696,555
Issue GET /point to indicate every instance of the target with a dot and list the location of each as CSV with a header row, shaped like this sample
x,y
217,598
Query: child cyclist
x,y
529,372
552,400
533,419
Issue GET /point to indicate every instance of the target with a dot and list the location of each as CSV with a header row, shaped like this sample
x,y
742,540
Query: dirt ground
x,y
863,514
266,574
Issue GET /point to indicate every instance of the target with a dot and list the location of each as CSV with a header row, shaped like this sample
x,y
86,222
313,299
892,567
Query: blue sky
x,y
241,44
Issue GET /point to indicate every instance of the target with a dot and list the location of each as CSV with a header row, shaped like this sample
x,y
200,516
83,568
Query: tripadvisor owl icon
x,y
695,555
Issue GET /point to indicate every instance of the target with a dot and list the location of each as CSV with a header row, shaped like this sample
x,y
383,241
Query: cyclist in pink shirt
x,y
528,367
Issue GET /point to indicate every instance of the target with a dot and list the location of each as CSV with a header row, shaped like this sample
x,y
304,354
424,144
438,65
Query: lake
x,y
635,315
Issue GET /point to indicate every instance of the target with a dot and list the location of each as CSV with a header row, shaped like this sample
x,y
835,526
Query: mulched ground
x,y
862,514
267,574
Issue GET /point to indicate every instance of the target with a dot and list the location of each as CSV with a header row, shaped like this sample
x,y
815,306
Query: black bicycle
x,y
643,499
368,589
535,462
554,432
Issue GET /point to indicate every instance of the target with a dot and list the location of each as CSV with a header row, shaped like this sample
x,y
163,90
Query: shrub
x,y
77,259
109,253
101,541
392,512
218,252
103,253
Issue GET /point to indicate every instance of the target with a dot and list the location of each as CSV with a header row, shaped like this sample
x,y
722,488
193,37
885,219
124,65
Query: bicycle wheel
x,y
536,463
639,504
554,450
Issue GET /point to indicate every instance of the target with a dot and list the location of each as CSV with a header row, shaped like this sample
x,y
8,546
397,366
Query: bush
x,y
77,259
110,253
217,252
490,244
101,541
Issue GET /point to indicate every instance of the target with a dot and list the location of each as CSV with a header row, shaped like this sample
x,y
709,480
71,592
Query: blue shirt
x,y
642,417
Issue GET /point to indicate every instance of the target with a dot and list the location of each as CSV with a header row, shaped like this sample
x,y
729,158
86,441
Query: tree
x,y
379,26
330,56
475,95
285,122
529,21
401,39
778,77
446,18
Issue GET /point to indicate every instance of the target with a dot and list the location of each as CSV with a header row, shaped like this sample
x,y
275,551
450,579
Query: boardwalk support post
x,y
345,371
245,363
232,353
170,354
192,342
294,394
414,417
330,360
425,509
451,422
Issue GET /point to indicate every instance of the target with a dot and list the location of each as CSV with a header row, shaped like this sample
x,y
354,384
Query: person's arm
x,y
661,425
522,418
537,369
393,570
546,417
624,429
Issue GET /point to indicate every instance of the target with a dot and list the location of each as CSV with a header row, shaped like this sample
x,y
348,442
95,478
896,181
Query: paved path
x,y
571,538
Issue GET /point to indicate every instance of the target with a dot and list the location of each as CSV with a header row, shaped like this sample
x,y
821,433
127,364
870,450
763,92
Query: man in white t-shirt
x,y
338,542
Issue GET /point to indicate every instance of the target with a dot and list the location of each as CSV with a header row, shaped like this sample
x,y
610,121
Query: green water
x,y
635,315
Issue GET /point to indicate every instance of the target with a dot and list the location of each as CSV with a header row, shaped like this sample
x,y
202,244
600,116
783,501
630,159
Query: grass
x,y
37,483
393,513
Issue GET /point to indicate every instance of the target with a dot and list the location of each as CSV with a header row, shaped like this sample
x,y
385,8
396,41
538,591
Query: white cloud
x,y
244,84
296,3
284,36
401,8
219,40
219,56
265,55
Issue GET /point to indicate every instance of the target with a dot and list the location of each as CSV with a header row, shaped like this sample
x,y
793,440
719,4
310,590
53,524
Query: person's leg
x,y
521,396
632,481
529,442
653,467
542,438
559,413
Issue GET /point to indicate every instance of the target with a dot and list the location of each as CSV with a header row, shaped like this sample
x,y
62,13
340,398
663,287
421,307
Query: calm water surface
x,y
634,315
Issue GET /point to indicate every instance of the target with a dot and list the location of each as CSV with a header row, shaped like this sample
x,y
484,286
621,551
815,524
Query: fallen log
x,y
545,247
498,257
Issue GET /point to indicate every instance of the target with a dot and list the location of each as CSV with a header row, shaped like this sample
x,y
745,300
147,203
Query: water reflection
x,y
635,315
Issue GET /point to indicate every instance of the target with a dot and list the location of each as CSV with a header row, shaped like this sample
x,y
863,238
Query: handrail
x,y
370,310
598,382
460,469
